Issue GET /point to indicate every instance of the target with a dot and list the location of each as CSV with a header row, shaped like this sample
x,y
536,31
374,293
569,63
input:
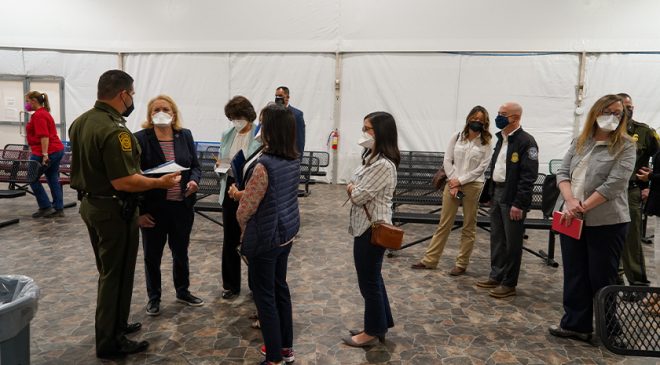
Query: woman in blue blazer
x,y
167,215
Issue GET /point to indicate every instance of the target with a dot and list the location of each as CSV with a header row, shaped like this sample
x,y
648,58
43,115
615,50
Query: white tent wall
x,y
431,94
331,26
80,71
637,75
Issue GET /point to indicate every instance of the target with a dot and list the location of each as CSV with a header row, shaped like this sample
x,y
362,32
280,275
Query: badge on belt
x,y
514,157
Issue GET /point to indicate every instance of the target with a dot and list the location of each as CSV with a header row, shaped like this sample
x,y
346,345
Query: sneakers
x,y
287,353
153,307
488,283
55,214
229,294
190,300
557,331
502,291
42,212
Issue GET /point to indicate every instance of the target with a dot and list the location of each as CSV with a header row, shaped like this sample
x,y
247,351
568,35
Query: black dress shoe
x,y
557,331
229,294
153,307
126,347
190,300
132,328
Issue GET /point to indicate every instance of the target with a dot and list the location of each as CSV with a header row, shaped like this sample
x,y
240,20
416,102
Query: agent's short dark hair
x,y
112,83
240,107
285,89
278,131
386,139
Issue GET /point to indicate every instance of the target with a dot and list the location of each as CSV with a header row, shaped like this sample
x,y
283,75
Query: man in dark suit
x,y
282,97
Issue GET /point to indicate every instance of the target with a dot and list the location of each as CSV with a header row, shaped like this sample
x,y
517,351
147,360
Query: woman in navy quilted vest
x,y
372,187
269,219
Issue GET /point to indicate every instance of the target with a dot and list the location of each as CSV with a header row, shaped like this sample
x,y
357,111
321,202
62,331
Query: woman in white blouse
x,y
466,159
371,189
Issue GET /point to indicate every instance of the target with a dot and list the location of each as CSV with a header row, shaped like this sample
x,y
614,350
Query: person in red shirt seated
x,y
47,149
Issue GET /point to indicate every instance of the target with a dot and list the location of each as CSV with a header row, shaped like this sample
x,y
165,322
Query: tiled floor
x,y
439,319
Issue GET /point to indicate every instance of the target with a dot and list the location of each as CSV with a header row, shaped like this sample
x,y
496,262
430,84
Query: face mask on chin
x,y
239,124
129,109
366,140
607,123
28,107
161,119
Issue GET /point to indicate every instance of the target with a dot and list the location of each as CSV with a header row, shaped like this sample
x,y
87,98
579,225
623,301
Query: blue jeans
x,y
368,263
267,276
52,173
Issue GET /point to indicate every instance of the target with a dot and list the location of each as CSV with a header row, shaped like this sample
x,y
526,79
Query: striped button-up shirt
x,y
373,187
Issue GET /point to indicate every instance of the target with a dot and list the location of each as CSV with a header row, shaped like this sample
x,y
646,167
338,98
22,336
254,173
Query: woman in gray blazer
x,y
593,180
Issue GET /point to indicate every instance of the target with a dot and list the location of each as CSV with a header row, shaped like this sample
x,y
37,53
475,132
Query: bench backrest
x,y
21,172
322,156
15,152
414,176
209,183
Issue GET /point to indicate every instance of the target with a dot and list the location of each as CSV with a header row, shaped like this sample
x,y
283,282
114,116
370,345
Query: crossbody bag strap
x,y
367,212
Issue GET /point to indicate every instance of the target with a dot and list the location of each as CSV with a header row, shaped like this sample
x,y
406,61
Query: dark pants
x,y
506,241
52,173
632,256
267,273
368,263
231,260
115,243
590,264
174,221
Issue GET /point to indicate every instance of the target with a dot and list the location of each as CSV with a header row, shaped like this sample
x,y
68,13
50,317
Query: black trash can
x,y
18,304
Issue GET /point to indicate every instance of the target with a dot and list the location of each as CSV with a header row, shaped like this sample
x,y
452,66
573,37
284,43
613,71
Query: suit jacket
x,y
300,129
152,156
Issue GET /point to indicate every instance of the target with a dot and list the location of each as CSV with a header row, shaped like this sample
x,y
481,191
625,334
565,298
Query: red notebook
x,y
574,230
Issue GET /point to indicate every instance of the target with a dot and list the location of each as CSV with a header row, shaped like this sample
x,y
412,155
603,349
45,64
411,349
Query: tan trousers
x,y
447,216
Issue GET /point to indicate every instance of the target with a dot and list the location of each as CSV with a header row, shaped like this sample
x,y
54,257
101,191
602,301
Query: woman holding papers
x,y
167,215
593,180
239,137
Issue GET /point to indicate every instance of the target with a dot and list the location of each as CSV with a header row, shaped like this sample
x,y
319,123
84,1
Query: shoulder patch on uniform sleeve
x,y
655,134
533,153
125,141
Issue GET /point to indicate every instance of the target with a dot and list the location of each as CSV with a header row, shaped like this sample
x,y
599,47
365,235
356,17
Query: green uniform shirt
x,y
647,145
102,149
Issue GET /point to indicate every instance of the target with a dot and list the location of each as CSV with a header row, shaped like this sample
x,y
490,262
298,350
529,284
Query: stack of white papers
x,y
166,168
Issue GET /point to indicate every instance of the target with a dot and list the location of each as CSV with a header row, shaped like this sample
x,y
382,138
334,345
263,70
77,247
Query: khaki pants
x,y
447,216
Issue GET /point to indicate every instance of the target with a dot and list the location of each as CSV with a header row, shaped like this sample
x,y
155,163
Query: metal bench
x,y
414,187
209,186
628,319
19,174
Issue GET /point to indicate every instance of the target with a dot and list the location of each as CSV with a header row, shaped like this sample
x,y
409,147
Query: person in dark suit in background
x,y
167,215
282,97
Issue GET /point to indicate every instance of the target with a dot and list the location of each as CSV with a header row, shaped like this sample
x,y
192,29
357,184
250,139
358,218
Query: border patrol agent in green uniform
x,y
632,256
105,171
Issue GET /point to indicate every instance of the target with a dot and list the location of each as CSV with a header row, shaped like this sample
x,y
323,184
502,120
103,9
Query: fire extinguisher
x,y
333,139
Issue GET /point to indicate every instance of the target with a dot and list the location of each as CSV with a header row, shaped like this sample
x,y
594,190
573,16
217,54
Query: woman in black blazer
x,y
167,215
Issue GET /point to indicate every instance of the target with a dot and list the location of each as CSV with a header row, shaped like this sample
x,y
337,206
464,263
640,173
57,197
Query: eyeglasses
x,y
365,128
616,113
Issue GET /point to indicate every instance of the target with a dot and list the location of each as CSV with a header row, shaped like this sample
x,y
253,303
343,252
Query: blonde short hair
x,y
176,118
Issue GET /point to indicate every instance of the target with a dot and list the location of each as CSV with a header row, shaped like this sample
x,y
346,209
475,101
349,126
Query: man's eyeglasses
x,y
609,112
365,128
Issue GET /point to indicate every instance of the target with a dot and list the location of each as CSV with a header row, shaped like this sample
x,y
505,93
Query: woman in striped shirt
x,y
167,215
372,188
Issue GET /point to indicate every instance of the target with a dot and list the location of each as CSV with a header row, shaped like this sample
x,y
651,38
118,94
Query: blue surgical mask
x,y
501,121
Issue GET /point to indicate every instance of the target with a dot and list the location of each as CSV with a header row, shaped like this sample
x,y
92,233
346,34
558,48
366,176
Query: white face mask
x,y
607,123
239,124
161,119
366,140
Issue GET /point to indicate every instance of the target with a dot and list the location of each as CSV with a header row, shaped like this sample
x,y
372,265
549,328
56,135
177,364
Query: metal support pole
x,y
579,94
337,113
